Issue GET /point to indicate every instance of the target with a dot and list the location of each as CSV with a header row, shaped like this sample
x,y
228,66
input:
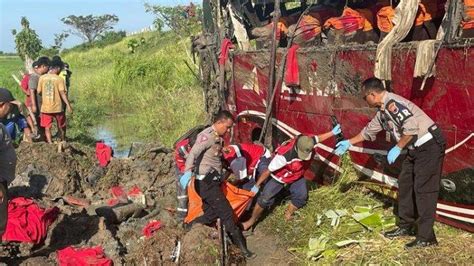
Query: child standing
x,y
53,94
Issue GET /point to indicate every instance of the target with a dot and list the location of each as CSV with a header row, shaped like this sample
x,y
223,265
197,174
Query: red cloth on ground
x,y
225,46
292,73
119,195
151,228
103,152
27,222
83,256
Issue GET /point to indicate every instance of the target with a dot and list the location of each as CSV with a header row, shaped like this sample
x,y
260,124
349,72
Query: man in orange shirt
x,y
53,94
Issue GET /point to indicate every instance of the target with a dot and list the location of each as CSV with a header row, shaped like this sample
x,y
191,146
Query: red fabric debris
x,y
292,73
225,47
27,222
119,195
151,228
135,191
83,256
76,201
103,152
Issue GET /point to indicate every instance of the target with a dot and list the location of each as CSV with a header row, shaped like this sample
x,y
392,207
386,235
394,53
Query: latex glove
x,y
255,189
342,147
336,130
393,154
185,178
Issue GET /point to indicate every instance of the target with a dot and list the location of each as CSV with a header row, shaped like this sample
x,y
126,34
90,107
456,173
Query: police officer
x,y
205,160
418,183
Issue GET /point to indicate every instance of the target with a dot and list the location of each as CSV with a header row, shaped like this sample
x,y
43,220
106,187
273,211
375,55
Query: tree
x,y
59,40
90,27
28,44
184,20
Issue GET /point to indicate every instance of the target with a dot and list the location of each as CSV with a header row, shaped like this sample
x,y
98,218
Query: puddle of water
x,y
117,133
104,133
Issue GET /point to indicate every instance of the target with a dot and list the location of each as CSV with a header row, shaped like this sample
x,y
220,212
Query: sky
x,y
45,17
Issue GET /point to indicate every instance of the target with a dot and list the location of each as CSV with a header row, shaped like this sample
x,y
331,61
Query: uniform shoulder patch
x,y
203,138
398,111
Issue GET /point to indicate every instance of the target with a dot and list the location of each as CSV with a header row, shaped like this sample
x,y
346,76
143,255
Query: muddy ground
x,y
50,176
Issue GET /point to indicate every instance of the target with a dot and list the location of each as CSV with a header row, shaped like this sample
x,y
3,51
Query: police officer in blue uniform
x,y
418,183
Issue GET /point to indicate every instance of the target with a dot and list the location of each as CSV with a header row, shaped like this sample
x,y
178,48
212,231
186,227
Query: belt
x,y
425,138
201,177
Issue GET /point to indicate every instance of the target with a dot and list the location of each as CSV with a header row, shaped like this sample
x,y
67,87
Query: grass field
x,y
11,65
150,93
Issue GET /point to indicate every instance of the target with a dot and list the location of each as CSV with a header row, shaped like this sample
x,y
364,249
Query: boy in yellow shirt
x,y
53,94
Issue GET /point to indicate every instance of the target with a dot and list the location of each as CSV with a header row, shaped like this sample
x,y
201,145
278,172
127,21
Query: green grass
x,y
11,65
149,95
455,245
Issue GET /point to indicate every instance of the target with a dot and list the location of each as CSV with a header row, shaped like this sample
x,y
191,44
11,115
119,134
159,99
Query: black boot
x,y
239,240
400,231
418,243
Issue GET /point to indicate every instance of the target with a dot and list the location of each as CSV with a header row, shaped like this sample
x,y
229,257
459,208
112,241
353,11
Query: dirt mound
x,y
43,171
200,246
48,176
156,250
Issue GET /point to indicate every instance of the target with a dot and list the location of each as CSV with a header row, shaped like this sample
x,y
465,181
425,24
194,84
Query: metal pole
x,y
267,129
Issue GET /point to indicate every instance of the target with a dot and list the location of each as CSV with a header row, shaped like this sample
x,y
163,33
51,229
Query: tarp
x,y
239,199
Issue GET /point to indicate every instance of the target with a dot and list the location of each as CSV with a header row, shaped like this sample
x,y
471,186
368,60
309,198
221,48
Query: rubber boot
x,y
239,240
289,211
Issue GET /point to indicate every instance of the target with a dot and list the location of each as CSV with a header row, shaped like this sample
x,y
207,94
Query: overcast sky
x,y
45,16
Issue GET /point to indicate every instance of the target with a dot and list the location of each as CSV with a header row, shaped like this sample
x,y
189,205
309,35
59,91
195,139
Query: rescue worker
x,y
7,159
418,183
247,161
205,161
287,168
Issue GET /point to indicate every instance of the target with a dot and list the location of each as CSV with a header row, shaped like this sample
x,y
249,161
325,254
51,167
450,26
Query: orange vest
x,y
351,20
468,22
309,26
384,19
422,15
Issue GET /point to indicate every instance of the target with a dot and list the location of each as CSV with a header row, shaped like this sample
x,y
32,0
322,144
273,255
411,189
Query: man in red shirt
x,y
287,168
247,161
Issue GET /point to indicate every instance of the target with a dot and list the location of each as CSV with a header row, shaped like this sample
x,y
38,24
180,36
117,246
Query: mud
x,y
47,175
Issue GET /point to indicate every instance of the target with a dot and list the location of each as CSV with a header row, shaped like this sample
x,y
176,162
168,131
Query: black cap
x,y
5,95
